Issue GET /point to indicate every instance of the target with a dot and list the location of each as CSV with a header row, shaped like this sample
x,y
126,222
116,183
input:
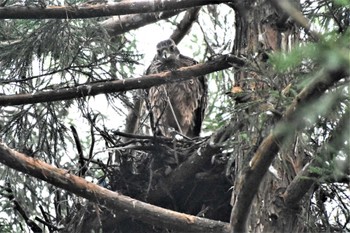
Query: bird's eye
x,y
172,48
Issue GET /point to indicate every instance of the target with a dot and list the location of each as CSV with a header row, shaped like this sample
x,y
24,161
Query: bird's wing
x,y
153,67
135,114
200,111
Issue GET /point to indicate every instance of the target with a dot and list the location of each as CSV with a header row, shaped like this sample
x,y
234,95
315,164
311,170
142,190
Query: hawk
x,y
178,105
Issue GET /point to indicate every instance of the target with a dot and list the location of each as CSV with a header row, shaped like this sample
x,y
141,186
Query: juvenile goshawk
x,y
178,105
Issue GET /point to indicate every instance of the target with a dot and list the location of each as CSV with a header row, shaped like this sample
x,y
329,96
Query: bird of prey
x,y
178,105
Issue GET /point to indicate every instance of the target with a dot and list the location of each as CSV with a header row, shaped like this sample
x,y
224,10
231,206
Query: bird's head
x,y
167,51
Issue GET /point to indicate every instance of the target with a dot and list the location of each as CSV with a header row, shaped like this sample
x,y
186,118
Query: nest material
x,y
143,168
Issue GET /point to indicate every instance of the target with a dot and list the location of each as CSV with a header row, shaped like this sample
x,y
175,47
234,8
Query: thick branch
x,y
252,175
132,207
185,25
99,10
146,81
119,25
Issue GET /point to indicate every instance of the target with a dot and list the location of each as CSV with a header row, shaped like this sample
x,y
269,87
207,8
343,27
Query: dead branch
x,y
99,10
140,210
82,165
185,25
120,24
146,81
253,173
17,206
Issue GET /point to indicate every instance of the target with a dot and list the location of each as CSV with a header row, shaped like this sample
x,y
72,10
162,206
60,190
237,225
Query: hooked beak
x,y
165,54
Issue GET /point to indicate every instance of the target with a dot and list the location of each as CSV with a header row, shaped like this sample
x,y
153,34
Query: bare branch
x,y
140,210
99,10
146,81
82,165
251,176
119,25
17,206
185,25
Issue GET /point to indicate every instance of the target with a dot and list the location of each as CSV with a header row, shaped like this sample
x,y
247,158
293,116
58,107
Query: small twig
x,y
149,179
92,125
57,205
47,220
51,227
151,117
143,148
129,135
31,224
172,109
82,165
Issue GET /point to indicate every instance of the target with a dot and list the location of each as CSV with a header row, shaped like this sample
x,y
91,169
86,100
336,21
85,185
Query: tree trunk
x,y
260,30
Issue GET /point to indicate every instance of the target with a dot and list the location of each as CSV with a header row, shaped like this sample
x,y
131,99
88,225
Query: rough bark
x,y
120,24
252,175
132,207
259,31
99,10
256,33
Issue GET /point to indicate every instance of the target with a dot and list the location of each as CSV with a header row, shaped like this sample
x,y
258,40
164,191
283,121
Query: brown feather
x,y
187,99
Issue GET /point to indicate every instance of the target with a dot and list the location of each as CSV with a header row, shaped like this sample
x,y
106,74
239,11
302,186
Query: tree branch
x,y
82,164
119,25
132,207
252,175
17,206
100,10
302,183
296,15
185,25
146,81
